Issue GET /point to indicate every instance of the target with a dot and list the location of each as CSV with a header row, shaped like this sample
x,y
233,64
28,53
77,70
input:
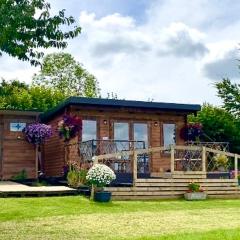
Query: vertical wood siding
x,y
54,148
54,154
16,153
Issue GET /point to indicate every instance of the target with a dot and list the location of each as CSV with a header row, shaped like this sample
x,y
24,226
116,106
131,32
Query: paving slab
x,y
9,186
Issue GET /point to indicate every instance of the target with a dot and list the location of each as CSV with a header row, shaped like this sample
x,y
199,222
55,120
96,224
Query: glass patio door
x,y
121,135
140,134
121,142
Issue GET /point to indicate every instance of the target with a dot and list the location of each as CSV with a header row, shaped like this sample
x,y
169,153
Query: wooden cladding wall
x,y
15,153
54,153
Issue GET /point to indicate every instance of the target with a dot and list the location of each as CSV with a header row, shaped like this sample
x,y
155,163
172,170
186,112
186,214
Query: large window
x,y
169,134
89,130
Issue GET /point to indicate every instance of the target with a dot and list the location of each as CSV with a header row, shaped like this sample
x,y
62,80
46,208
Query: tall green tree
x,y
62,72
27,25
230,94
20,96
218,125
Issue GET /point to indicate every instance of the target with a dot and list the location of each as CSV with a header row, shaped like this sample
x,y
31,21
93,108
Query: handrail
x,y
222,152
204,150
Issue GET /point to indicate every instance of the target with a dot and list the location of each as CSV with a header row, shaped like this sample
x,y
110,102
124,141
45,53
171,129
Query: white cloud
x,y
182,41
12,68
172,56
222,61
113,34
113,22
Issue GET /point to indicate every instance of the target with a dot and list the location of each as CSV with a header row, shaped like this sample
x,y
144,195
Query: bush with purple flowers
x,y
37,133
69,127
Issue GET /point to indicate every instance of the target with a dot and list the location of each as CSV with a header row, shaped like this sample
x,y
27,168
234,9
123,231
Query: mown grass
x,y
78,218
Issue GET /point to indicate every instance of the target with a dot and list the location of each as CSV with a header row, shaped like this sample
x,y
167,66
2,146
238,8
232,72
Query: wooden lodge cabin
x,y
139,140
16,154
116,125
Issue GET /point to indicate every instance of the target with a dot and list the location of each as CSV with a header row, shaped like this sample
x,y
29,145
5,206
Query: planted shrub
x,y
22,175
76,178
194,187
221,160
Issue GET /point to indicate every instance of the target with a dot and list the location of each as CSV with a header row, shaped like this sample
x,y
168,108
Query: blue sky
x,y
134,8
165,50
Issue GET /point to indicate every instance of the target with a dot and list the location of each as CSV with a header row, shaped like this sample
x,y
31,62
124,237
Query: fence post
x,y
204,159
172,159
95,161
134,168
235,166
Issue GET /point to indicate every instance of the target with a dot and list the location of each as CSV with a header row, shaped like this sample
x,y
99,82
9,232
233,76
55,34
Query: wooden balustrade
x,y
172,150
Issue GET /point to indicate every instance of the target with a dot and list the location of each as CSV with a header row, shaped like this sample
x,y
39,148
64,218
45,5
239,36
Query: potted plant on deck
x,y
195,192
100,175
221,162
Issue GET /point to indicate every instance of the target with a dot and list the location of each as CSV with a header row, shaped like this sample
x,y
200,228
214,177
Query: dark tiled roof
x,y
120,103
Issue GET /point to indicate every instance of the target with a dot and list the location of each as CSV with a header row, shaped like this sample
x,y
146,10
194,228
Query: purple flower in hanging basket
x,y
69,127
37,133
191,132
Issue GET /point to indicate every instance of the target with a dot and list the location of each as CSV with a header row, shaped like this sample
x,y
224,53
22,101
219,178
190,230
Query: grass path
x,y
77,218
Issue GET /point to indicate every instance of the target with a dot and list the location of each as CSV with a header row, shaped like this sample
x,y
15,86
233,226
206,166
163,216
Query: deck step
x,y
174,188
204,185
155,188
164,180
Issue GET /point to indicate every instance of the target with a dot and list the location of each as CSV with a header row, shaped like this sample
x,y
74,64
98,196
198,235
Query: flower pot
x,y
222,169
195,196
102,196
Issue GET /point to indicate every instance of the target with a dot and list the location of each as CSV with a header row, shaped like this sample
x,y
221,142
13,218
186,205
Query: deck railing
x,y
91,148
184,159
133,158
82,153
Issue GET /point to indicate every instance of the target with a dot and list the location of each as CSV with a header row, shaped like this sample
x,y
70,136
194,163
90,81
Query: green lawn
x,y
78,218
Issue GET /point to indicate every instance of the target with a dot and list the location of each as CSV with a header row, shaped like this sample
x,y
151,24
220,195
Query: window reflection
x,y
169,134
121,131
121,137
140,134
89,130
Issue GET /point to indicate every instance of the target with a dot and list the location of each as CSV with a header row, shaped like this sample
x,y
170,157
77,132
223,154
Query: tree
x,y
61,71
20,96
218,125
230,94
27,25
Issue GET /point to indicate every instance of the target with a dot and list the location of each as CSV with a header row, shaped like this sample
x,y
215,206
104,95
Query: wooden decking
x,y
9,188
187,164
154,188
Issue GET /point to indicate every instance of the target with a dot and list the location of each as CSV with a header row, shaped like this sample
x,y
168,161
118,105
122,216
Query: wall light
x,y
105,122
155,124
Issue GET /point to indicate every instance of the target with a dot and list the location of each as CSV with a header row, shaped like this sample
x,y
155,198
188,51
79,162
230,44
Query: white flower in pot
x,y
100,175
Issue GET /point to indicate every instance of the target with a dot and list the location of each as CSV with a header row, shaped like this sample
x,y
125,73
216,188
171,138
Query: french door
x,y
128,136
